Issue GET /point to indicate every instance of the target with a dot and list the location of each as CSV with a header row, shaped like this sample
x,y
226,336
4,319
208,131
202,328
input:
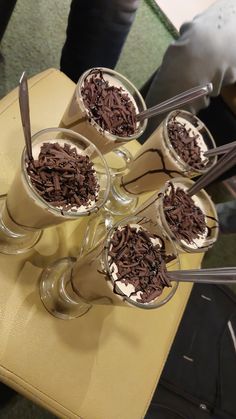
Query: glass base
x,y
57,294
119,202
12,243
119,160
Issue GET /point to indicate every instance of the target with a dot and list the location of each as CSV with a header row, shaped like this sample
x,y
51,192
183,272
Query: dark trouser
x,y
198,380
96,32
6,7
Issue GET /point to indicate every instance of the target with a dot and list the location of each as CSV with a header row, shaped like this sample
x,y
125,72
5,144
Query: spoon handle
x,y
207,279
207,276
25,113
176,101
219,150
224,163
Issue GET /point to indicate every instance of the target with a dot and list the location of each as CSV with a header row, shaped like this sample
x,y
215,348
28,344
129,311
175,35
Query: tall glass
x,y
78,117
25,213
157,161
154,208
70,288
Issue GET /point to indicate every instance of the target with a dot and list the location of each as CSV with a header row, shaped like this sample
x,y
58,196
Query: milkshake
x,y
129,268
103,108
176,148
191,222
61,183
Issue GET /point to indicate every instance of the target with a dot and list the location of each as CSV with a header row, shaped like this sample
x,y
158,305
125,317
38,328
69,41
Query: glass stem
x,y
120,202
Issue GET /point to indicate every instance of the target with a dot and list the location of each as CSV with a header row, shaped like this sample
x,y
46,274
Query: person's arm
x,y
203,53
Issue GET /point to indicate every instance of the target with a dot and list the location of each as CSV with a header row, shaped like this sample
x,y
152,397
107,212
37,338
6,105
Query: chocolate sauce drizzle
x,y
139,262
170,173
148,204
214,227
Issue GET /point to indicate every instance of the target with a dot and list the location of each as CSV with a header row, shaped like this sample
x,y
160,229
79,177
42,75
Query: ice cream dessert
x,y
63,176
176,148
104,108
130,267
60,183
185,218
187,142
109,104
190,221
137,261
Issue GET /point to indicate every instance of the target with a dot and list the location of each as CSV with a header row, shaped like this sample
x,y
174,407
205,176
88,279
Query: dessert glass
x,y
78,118
202,200
24,213
157,161
70,288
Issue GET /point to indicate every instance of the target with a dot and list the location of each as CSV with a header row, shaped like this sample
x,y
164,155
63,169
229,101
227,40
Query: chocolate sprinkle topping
x,y
109,106
63,177
139,262
185,144
185,219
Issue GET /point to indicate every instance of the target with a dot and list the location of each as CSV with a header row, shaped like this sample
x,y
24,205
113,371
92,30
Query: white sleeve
x,y
204,52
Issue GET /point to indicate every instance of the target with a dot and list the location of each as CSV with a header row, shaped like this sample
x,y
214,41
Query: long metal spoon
x,y
176,101
205,276
25,113
224,163
220,150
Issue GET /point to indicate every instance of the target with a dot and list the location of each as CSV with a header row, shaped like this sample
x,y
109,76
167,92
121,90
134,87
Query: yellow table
x,y
104,365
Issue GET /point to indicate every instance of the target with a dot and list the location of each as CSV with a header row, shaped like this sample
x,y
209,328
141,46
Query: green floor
x,y
33,42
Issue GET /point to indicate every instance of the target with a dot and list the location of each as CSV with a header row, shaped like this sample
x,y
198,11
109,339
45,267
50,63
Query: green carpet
x,y
33,40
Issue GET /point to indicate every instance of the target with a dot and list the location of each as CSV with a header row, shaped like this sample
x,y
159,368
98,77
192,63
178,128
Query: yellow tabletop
x,y
104,365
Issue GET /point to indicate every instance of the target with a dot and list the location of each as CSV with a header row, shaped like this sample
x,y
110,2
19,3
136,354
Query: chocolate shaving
x,y
139,262
185,219
109,106
185,144
62,177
